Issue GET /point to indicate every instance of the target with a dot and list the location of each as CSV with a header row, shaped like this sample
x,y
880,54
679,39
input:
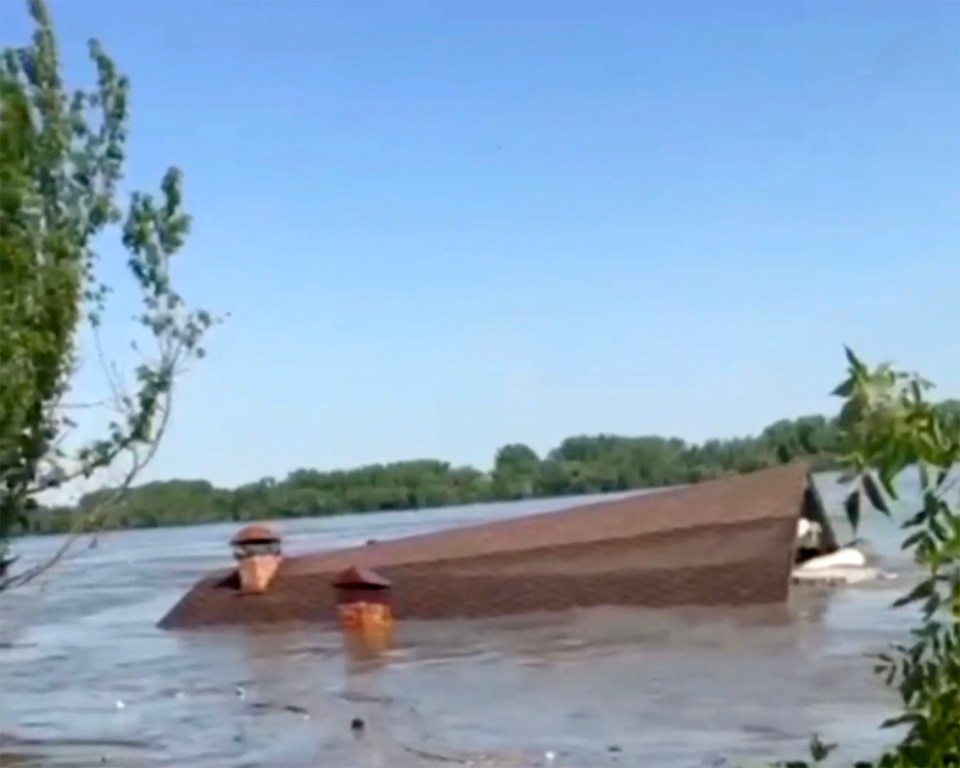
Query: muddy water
x,y
84,673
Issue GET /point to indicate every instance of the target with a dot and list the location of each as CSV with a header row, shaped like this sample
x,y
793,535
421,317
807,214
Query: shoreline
x,y
280,518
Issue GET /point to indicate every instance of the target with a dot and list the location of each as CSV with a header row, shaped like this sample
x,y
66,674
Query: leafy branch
x,y
62,154
889,427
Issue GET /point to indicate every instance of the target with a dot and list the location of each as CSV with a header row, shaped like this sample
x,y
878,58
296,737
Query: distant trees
x,y
516,470
579,465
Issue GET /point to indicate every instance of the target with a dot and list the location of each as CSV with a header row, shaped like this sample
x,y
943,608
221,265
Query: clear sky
x,y
440,227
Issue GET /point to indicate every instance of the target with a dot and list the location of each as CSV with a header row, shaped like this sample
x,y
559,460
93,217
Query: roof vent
x,y
258,554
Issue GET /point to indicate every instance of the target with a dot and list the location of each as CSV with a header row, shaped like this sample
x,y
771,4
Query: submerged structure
x,y
732,541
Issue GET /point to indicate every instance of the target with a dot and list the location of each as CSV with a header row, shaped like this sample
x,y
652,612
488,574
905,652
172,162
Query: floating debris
x,y
436,756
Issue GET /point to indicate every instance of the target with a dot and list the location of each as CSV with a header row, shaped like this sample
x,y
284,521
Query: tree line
x,y
579,465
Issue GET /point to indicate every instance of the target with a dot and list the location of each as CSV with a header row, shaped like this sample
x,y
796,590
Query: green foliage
x,y
887,427
579,465
62,153
515,472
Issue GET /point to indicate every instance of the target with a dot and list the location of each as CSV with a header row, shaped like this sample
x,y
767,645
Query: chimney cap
x,y
254,534
362,578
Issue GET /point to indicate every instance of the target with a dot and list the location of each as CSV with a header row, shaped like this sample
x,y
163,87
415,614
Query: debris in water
x,y
357,725
240,691
120,704
549,756
435,756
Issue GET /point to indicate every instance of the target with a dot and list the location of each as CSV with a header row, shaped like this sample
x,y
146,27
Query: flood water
x,y
85,674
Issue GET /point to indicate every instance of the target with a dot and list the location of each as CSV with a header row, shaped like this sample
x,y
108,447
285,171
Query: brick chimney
x,y
364,608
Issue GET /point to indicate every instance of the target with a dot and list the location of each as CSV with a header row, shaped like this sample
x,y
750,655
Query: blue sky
x,y
440,227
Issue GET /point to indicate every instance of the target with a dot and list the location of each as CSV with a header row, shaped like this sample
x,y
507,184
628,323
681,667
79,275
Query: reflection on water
x,y
86,674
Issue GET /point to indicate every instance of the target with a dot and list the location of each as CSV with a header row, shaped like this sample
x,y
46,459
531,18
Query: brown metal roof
x,y
728,541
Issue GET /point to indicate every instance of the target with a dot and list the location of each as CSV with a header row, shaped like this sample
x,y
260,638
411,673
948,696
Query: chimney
x,y
364,608
257,551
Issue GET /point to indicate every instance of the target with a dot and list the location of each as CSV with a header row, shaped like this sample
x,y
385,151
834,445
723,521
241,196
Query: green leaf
x,y
938,530
888,477
893,722
913,539
917,519
874,494
844,389
942,476
922,591
853,360
931,605
852,508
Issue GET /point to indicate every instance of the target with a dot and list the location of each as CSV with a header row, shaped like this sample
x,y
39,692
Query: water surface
x,y
85,673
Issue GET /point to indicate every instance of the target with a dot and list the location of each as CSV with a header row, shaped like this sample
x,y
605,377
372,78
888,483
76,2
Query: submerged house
x,y
732,541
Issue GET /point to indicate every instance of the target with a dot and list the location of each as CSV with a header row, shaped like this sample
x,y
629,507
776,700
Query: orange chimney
x,y
363,602
257,551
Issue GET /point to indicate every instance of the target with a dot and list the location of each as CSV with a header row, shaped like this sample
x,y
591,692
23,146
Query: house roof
x,y
768,494
730,541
